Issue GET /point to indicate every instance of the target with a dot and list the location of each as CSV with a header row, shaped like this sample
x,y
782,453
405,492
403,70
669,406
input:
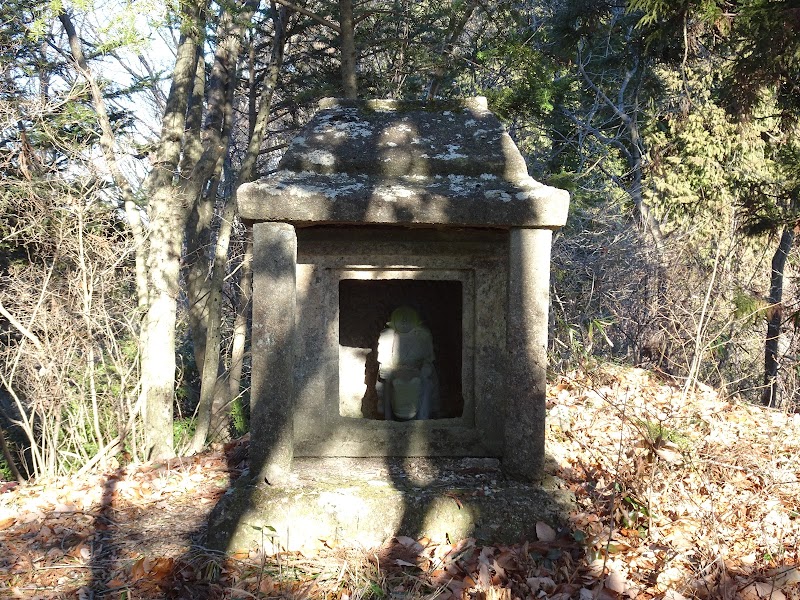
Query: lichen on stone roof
x,y
403,138
387,161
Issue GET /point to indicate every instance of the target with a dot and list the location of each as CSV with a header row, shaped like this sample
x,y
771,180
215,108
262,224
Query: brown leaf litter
x,y
682,494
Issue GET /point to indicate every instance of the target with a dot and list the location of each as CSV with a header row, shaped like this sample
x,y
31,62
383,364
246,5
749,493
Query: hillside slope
x,y
682,494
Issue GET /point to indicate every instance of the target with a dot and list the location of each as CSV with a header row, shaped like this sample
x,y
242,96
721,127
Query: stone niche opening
x,y
365,306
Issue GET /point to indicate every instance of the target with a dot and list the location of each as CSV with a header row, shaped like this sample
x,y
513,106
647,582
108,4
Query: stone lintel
x,y
528,304
307,198
273,350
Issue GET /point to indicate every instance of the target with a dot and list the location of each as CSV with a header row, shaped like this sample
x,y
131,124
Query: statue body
x,y
407,381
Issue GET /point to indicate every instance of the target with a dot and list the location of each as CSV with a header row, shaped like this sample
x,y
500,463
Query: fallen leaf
x,y
544,532
616,581
758,590
457,587
267,585
498,593
668,455
139,568
506,559
403,563
484,576
162,568
410,543
785,577
545,584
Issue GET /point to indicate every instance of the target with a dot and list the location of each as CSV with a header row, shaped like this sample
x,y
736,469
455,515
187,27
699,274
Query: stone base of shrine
x,y
366,501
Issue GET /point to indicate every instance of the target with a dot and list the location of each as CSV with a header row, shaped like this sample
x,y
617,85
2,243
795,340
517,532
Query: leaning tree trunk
x,y
770,396
242,319
110,151
213,396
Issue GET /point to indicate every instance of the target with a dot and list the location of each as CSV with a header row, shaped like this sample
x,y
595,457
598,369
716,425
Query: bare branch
x,y
21,328
312,15
617,110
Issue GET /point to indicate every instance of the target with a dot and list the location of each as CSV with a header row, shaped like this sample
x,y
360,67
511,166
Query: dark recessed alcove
x,y
365,306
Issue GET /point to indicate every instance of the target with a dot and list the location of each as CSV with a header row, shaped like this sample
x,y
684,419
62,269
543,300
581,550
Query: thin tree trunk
x,y
198,231
107,144
347,37
242,318
209,388
87,291
10,459
647,220
632,148
457,27
636,163
247,172
770,396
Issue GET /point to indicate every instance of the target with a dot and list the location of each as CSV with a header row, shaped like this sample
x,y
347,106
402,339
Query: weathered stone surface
x,y
457,200
365,501
273,348
528,304
390,138
352,380
411,163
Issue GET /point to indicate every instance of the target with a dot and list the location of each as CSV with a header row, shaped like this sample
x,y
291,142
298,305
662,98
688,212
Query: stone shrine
x,y
381,205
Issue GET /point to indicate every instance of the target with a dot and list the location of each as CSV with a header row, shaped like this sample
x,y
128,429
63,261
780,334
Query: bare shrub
x,y
695,313
605,291
68,341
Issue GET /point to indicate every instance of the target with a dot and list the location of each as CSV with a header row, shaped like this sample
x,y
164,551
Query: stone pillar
x,y
273,350
528,302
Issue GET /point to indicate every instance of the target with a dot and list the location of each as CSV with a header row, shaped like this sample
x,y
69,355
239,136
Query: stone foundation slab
x,y
364,502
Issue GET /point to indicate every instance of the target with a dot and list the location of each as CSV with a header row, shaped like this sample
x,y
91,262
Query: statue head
x,y
404,319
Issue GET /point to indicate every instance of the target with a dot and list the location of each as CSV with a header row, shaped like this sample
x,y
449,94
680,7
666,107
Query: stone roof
x,y
405,163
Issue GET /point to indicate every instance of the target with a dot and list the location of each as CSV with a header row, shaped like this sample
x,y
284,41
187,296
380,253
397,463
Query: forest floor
x,y
681,494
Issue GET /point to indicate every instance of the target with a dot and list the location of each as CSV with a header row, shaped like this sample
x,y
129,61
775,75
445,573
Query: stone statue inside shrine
x,y
408,387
